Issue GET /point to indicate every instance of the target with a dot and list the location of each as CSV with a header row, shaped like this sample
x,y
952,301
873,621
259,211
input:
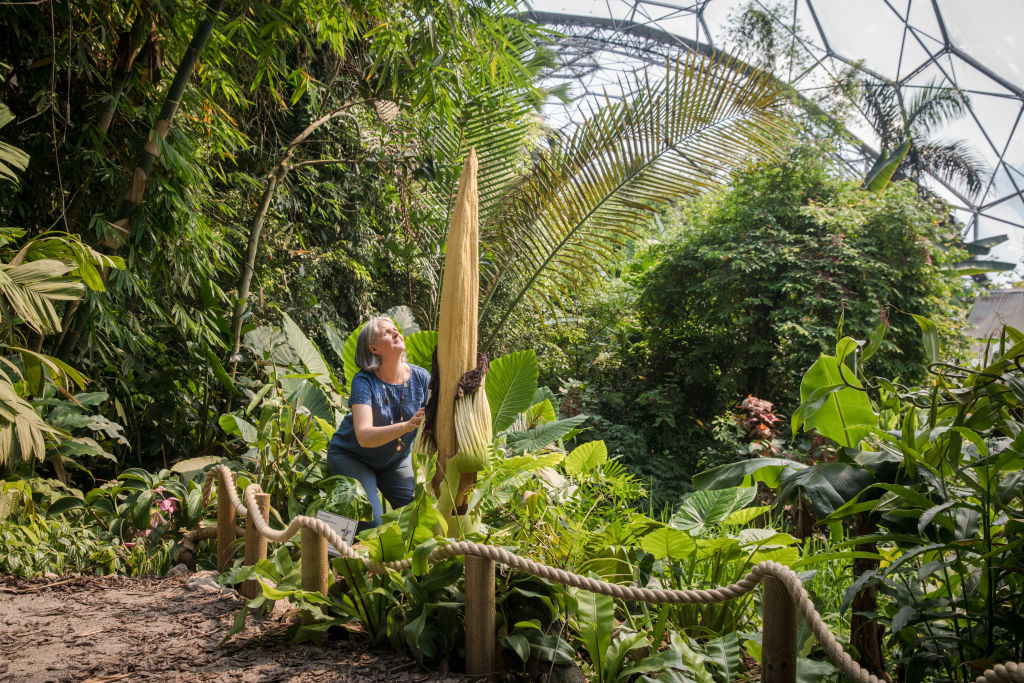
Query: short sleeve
x,y
423,380
362,391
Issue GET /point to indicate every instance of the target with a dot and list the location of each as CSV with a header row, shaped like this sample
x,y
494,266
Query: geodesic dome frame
x,y
908,43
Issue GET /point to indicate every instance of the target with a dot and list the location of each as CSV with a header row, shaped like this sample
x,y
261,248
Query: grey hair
x,y
366,359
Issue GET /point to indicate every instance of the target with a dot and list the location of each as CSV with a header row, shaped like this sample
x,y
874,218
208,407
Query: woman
x,y
372,443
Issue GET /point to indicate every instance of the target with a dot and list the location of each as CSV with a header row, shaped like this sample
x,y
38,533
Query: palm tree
x,y
552,229
903,126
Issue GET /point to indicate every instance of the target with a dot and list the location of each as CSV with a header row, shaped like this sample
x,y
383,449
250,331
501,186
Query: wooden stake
x,y
778,640
225,523
479,616
314,561
255,545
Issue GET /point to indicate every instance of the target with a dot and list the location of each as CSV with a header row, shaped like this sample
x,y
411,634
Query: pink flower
x,y
159,489
169,505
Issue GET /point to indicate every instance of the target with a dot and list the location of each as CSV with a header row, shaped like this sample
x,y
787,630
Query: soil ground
x,y
98,629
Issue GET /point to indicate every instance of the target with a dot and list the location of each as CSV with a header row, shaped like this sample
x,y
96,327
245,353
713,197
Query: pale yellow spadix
x,y
457,322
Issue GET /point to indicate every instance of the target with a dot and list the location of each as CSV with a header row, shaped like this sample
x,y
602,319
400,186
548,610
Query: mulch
x,y
110,628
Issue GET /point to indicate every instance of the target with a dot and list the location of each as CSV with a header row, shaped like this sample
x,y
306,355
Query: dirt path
x,y
99,629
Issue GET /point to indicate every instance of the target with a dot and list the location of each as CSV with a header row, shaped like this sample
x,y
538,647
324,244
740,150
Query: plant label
x,y
343,526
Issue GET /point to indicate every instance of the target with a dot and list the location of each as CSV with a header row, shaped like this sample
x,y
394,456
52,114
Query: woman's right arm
x,y
370,436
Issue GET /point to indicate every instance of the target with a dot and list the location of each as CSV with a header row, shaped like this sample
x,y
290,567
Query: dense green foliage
x,y
934,475
200,230
744,292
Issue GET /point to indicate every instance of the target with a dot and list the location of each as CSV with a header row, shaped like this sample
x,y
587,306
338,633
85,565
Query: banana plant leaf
x,y
746,473
832,401
826,486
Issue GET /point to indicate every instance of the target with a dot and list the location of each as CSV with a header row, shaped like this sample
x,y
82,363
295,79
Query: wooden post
x,y
479,616
778,641
225,522
255,544
314,561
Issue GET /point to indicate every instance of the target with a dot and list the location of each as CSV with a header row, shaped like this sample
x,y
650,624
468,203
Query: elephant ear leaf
x,y
404,320
511,384
419,348
348,358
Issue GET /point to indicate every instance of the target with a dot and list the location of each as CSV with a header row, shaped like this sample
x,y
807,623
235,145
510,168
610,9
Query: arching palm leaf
x,y
953,161
12,159
592,192
906,124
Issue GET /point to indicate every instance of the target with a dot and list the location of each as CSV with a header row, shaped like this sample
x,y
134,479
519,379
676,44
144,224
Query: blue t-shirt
x,y
391,403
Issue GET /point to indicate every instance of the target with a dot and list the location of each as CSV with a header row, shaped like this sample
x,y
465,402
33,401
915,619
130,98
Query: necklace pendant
x,y
399,446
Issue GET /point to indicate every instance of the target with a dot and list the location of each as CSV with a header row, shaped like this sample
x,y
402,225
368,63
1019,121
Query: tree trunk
x,y
805,520
129,45
866,632
132,198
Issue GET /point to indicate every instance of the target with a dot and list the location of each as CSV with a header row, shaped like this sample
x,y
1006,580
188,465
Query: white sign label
x,y
343,526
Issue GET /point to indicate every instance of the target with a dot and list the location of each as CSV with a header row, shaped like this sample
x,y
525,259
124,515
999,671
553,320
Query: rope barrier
x,y
1010,672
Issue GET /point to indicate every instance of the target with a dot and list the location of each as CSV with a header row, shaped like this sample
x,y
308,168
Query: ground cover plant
x,y
931,478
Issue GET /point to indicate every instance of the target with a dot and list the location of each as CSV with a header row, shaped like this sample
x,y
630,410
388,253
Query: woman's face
x,y
389,340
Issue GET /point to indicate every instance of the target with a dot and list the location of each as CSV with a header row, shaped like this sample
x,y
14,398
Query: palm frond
x,y
591,193
31,288
23,433
952,161
497,125
881,107
12,159
933,105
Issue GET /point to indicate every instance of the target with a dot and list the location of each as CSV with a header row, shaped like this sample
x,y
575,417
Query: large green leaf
x,y
349,357
384,543
699,510
746,473
312,398
236,426
826,486
32,288
543,435
23,433
930,338
595,620
724,652
306,350
881,173
511,383
419,348
593,191
834,403
335,340
586,457
666,542
11,158
404,320
271,345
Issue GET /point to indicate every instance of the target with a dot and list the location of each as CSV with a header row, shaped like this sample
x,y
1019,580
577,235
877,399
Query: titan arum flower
x,y
462,451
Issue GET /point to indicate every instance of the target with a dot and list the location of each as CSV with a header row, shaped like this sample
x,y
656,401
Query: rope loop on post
x,y
1009,672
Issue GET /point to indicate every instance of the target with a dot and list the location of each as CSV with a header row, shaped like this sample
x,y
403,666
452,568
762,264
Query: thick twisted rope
x,y
1009,672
